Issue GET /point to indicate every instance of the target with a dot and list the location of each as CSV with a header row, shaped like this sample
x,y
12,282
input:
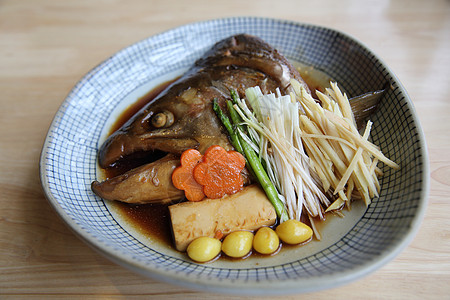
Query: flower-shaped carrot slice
x,y
182,176
220,172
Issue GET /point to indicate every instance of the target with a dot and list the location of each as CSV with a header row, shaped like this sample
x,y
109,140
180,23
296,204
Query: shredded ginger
x,y
345,161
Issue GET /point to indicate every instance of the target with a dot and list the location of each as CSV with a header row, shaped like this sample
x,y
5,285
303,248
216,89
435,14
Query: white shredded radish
x,y
276,120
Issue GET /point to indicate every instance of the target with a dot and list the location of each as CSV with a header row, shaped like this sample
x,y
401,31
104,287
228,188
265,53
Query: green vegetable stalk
x,y
228,126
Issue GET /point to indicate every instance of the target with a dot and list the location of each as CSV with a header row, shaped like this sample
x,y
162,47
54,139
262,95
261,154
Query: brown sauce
x,y
154,220
149,219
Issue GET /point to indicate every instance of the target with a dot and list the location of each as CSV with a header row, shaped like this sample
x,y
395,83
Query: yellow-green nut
x,y
266,241
294,232
237,243
204,249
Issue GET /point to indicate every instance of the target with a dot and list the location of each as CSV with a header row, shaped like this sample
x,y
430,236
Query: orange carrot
x,y
182,176
220,172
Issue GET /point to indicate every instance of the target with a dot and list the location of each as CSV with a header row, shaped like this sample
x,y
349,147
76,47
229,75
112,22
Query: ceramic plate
x,y
351,247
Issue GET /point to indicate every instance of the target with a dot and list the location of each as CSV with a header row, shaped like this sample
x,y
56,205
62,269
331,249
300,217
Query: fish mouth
x,y
123,149
135,160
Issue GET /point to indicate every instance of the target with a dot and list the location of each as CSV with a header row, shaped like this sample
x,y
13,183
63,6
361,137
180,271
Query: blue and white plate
x,y
351,247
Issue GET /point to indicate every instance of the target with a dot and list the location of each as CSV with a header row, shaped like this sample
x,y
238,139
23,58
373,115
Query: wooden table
x,y
47,46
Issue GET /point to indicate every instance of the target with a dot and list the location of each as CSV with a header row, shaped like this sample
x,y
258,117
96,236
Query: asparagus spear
x,y
228,126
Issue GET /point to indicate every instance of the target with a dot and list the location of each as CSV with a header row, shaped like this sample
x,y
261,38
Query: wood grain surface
x,y
47,46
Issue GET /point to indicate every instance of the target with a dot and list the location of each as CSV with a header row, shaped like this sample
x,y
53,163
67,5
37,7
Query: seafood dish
x,y
244,153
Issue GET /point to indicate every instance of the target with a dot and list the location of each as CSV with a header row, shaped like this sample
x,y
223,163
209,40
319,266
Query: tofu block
x,y
248,209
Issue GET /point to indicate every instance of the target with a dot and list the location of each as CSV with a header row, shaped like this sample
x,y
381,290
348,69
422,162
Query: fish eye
x,y
162,119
